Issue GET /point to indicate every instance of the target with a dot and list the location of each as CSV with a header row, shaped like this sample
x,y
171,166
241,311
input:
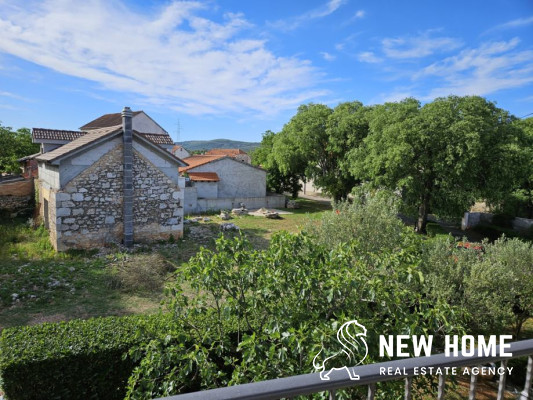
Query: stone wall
x,y
195,206
88,211
17,197
157,203
473,219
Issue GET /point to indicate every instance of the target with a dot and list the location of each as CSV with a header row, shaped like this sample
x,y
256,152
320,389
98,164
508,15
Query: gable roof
x,y
98,135
203,176
196,161
88,138
156,138
226,152
55,134
106,120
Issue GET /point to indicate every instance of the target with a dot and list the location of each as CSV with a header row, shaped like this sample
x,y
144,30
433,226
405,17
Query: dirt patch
x,y
40,318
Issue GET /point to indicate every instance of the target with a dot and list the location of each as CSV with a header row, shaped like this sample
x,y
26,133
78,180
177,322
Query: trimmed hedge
x,y
79,359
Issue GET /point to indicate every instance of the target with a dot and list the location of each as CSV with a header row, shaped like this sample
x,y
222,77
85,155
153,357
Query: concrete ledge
x,y
203,205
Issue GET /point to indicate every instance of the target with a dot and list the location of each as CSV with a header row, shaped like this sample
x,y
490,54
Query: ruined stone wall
x,y
88,210
17,198
157,203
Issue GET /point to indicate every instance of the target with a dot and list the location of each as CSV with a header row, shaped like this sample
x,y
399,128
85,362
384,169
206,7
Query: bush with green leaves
x,y
499,289
371,219
493,287
80,359
259,315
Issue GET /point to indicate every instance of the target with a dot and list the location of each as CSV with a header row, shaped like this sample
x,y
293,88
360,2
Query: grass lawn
x,y
39,285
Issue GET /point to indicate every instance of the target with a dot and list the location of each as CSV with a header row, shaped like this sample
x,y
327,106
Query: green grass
x,y
54,286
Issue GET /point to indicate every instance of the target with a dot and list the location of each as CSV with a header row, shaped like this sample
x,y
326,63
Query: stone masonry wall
x,y
89,208
17,197
157,203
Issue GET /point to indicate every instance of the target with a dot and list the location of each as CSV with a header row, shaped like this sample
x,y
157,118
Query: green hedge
x,y
79,359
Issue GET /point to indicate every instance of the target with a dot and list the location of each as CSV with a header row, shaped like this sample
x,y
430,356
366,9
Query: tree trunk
x,y
423,211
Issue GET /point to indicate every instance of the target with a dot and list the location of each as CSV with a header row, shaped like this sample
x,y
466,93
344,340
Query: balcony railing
x,y
369,376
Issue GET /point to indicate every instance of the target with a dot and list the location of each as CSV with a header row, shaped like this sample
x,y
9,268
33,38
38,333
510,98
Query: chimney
x,y
127,166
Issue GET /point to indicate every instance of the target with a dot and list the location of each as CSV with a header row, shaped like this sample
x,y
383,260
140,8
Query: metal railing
x,y
369,376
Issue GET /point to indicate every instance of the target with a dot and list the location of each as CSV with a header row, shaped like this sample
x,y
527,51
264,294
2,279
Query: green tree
x,y
346,128
14,145
442,156
277,181
520,200
315,141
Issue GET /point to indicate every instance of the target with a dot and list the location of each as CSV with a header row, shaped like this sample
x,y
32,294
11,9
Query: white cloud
x,y
418,46
295,22
12,96
327,56
489,68
174,57
368,57
360,14
516,23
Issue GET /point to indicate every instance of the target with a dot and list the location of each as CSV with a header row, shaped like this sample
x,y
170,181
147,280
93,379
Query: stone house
x,y
111,184
51,139
218,182
237,154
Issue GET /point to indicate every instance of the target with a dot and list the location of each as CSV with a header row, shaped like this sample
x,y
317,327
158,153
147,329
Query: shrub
x,y
499,290
272,310
434,229
371,219
492,283
75,359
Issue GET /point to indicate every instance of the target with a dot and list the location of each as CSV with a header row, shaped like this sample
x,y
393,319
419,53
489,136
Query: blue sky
x,y
233,69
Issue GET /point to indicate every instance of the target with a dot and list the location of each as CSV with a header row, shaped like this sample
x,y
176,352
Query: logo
x,y
352,346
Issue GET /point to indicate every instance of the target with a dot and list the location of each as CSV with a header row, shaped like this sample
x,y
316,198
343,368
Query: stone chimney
x,y
127,165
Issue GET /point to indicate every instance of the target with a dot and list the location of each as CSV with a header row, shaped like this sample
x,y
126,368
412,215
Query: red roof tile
x,y
225,152
203,176
196,161
56,134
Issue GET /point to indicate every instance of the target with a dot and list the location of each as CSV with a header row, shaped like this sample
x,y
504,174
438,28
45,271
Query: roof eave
x,y
58,159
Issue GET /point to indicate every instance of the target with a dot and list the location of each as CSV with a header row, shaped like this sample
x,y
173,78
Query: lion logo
x,y
351,344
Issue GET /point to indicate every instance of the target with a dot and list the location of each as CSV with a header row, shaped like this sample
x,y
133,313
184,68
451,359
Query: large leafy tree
x,y
277,181
314,144
442,156
520,200
14,145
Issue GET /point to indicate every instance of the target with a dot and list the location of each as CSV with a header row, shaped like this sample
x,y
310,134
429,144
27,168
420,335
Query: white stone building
x,y
221,182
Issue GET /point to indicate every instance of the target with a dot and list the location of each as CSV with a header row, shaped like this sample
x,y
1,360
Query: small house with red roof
x,y
237,154
219,181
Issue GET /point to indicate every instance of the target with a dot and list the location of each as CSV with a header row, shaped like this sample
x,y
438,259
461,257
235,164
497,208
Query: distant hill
x,y
193,145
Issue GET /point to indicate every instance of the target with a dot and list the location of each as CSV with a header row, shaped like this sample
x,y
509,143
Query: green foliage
x,y
442,156
371,219
433,229
14,145
493,287
264,314
76,359
277,181
314,143
500,288
519,202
